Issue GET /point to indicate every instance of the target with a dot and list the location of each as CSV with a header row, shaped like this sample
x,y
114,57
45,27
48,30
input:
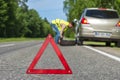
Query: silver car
x,y
98,24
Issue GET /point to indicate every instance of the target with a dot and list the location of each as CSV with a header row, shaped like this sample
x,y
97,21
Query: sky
x,y
50,9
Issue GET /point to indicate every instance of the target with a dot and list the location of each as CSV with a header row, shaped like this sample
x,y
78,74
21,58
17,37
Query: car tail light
x,y
84,21
118,24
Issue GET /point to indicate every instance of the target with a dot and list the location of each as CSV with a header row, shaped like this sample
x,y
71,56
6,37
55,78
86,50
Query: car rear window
x,y
102,14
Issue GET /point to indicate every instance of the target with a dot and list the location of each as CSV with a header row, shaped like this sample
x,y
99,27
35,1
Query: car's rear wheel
x,y
107,43
79,42
117,44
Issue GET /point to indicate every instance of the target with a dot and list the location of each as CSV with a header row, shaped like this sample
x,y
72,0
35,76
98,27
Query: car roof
x,y
101,9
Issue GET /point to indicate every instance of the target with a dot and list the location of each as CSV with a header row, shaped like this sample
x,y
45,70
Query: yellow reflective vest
x,y
58,23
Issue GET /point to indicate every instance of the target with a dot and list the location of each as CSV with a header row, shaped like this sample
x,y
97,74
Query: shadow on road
x,y
67,43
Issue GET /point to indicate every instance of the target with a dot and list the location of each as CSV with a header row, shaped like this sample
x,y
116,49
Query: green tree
x,y
3,17
47,28
117,5
21,22
34,24
11,12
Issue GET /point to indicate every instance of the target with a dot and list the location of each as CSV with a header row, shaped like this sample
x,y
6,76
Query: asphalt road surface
x,y
86,62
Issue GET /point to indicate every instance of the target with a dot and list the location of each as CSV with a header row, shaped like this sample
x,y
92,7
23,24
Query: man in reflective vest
x,y
59,27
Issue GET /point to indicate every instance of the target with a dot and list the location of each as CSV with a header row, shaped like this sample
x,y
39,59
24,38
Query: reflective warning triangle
x,y
66,69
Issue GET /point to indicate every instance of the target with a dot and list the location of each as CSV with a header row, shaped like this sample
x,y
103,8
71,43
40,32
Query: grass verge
x,y
18,39
98,43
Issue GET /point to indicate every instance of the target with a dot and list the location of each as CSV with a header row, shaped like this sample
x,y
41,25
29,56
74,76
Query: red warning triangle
x,y
31,69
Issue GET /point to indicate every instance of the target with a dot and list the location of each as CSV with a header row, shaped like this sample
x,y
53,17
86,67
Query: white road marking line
x,y
7,45
103,53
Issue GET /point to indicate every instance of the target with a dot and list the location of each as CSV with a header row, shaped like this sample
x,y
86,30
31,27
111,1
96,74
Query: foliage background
x,y
16,20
